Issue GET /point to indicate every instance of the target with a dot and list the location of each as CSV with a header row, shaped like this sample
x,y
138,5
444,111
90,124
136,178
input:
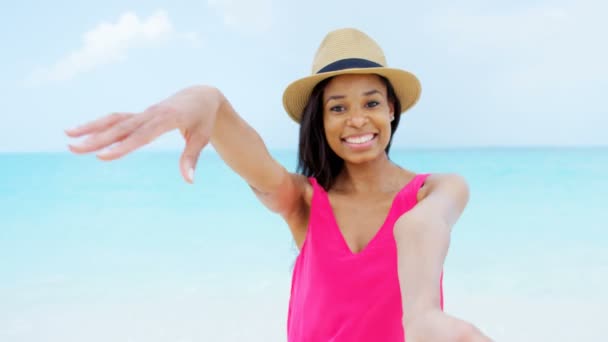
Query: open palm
x,y
192,111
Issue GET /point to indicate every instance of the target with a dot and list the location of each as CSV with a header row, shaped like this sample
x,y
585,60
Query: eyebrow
x,y
334,97
367,93
371,92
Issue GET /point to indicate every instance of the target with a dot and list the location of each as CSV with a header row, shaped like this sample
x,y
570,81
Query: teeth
x,y
360,140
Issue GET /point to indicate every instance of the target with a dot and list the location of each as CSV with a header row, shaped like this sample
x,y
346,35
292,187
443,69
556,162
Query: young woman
x,y
372,235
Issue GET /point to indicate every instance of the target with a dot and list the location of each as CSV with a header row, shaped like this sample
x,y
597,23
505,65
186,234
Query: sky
x,y
516,73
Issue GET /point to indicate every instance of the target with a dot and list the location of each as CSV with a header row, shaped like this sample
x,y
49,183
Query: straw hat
x,y
349,51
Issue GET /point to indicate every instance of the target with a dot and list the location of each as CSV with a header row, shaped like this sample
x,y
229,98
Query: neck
x,y
378,175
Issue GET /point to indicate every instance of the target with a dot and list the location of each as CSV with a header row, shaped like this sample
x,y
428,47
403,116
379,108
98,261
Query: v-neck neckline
x,y
380,229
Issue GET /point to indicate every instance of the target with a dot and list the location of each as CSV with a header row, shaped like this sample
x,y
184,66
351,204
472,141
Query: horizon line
x,y
393,148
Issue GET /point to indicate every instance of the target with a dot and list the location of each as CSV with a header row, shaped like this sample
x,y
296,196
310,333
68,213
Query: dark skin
x,y
360,197
357,118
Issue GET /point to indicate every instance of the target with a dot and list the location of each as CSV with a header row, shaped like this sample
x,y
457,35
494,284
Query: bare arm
x,y
423,238
202,114
243,150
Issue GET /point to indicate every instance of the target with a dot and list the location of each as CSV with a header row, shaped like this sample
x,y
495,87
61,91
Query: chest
x,y
360,219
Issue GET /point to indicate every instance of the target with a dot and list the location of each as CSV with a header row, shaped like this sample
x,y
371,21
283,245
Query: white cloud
x,y
247,16
108,43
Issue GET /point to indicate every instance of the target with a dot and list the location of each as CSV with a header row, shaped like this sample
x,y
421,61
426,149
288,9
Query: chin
x,y
363,157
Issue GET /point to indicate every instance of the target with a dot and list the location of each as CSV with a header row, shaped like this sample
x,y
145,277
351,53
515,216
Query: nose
x,y
357,119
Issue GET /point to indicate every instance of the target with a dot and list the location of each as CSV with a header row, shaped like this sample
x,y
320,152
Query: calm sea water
x,y
127,251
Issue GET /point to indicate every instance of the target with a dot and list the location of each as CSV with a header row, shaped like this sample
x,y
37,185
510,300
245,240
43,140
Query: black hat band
x,y
349,63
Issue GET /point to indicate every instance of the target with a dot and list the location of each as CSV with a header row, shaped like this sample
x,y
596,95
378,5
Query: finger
x,y
189,158
143,135
98,125
107,137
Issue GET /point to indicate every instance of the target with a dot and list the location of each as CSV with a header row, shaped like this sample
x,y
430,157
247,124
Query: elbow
x,y
461,199
463,189
454,192
458,187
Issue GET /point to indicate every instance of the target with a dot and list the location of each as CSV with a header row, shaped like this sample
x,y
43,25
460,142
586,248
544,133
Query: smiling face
x,y
357,117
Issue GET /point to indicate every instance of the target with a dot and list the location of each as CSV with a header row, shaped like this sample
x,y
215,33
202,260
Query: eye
x,y
337,109
372,104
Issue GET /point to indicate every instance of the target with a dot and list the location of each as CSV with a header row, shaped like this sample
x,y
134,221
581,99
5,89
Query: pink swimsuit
x,y
337,295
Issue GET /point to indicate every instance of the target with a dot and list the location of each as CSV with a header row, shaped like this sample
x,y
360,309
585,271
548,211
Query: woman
x,y
372,236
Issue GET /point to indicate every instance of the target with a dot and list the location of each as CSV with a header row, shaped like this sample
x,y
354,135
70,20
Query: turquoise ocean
x,y
127,251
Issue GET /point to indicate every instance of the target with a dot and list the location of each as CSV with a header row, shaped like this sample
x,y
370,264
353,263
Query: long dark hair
x,y
315,156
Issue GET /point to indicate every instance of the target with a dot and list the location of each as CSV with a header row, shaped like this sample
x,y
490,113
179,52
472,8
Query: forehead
x,y
353,82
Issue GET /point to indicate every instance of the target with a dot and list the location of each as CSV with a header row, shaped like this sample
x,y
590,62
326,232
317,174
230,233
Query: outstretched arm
x,y
202,114
423,237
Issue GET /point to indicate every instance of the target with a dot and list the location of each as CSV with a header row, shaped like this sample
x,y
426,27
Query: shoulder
x,y
448,182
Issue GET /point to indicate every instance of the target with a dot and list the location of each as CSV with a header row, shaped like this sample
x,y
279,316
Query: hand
x,y
193,111
437,326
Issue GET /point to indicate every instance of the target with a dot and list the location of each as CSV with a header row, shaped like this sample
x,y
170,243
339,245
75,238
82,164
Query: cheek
x,y
333,129
382,120
389,132
385,123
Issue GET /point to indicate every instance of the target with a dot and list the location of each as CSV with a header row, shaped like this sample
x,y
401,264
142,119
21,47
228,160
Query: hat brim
x,y
406,85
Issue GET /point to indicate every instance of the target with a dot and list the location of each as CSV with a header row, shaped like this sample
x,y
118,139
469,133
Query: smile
x,y
360,139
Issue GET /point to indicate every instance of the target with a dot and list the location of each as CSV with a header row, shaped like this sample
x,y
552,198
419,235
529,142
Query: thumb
x,y
189,157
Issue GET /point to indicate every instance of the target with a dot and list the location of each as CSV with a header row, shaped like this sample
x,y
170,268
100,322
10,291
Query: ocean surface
x,y
127,251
